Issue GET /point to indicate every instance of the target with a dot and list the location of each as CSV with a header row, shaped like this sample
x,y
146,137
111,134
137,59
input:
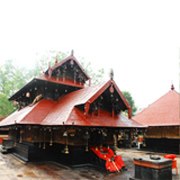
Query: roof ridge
x,y
170,91
157,100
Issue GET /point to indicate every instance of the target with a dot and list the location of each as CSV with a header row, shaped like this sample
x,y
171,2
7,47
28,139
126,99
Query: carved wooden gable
x,y
68,70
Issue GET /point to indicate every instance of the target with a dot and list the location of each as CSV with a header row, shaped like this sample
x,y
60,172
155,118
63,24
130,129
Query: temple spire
x,y
172,87
56,59
111,74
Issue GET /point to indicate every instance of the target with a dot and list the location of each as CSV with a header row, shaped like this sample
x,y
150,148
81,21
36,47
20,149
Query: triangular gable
x,y
111,84
57,69
104,87
66,112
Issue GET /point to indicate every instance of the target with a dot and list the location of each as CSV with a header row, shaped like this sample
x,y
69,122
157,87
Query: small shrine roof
x,y
69,58
75,77
163,112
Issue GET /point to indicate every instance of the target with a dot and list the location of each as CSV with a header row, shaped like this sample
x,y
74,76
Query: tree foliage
x,y
11,78
96,76
6,107
130,100
42,62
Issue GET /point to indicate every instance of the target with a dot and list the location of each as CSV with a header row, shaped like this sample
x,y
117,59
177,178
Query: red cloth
x,y
173,158
113,162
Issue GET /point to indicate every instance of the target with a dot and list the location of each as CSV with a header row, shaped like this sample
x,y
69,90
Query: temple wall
x,y
169,132
62,135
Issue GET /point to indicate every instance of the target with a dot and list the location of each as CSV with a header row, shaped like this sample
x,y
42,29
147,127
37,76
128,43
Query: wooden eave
x,y
45,80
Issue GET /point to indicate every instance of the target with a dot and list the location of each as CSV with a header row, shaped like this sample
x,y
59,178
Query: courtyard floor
x,y
11,168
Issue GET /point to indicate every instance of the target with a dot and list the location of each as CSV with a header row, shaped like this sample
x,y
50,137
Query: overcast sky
x,y
139,39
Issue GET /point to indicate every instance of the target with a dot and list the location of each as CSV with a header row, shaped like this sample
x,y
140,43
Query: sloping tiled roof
x,y
65,112
163,112
30,114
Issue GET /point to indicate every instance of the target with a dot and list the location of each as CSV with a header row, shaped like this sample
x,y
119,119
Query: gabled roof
x,y
65,111
69,58
44,78
163,112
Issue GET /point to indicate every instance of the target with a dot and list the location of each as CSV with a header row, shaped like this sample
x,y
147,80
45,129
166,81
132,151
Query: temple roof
x,y
70,59
70,109
43,82
163,112
67,72
59,97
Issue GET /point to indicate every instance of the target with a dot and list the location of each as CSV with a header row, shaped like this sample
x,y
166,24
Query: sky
x,y
138,39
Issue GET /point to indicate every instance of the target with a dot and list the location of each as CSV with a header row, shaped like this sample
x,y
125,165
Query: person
x,y
140,141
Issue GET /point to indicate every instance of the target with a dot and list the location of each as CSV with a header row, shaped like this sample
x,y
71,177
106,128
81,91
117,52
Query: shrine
x,y
61,114
163,120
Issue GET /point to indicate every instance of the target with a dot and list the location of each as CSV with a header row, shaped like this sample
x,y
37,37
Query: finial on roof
x,y
172,87
56,60
72,52
111,74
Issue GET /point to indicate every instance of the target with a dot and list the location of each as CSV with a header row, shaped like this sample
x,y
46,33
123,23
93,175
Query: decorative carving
x,y
28,94
111,89
58,73
71,63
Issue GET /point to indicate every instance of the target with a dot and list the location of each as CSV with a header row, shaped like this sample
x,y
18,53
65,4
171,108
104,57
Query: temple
x,y
163,120
60,112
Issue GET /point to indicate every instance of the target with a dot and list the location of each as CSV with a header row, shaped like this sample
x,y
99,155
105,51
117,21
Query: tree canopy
x,y
6,107
130,100
12,78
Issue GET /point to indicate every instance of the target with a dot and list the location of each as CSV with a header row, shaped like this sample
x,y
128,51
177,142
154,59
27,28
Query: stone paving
x,y
11,168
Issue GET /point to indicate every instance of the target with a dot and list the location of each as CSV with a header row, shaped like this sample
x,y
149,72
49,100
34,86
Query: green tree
x,y
6,107
96,76
11,78
130,100
43,60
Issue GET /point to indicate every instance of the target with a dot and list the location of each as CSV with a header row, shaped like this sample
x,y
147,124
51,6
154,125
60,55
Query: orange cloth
x,y
113,162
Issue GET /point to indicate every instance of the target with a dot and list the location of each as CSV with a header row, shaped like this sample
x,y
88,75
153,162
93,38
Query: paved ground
x,y
13,169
